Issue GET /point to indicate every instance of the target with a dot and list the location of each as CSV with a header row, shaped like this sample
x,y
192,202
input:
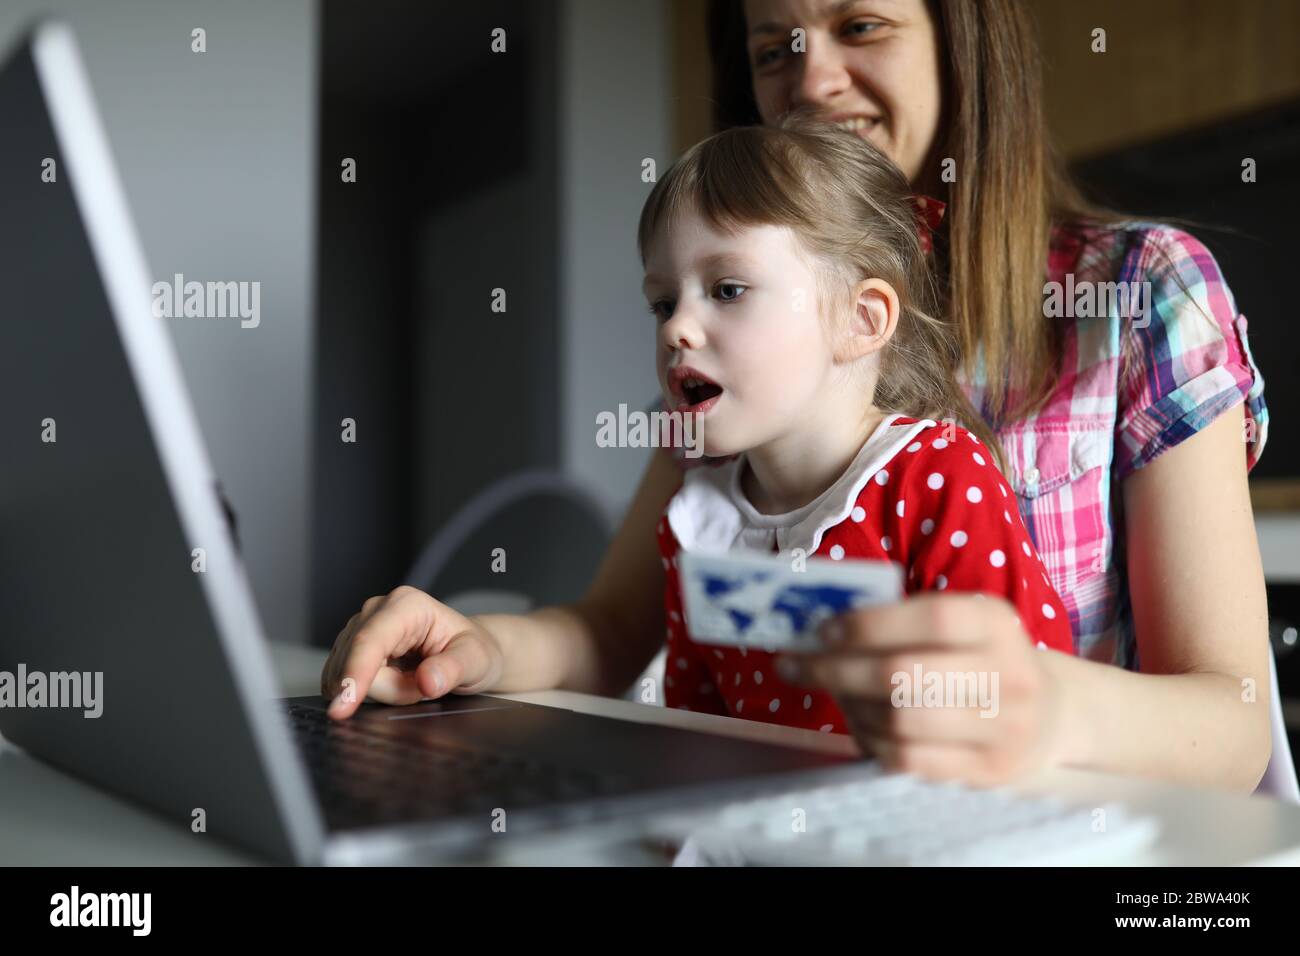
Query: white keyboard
x,y
891,819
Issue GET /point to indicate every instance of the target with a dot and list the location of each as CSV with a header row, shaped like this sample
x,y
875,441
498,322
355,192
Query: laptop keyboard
x,y
366,775
893,819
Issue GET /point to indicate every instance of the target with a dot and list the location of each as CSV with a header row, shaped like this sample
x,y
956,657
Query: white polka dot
x,y
914,447
1003,489
827,728
886,543
740,705
900,507
974,495
997,558
661,527
958,539
935,481
681,663
774,705
979,459
665,561
674,616
837,552
670,633
940,443
807,701
706,688
859,513
758,677
669,680
737,678
717,653
1024,583
940,582
1042,646
743,652
1007,516
1024,546
972,438
1048,612
927,526
882,476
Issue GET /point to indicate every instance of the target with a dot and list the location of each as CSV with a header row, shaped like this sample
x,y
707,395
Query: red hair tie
x,y
929,213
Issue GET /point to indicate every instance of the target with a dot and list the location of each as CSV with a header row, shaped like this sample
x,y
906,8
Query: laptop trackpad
x,y
446,707
442,707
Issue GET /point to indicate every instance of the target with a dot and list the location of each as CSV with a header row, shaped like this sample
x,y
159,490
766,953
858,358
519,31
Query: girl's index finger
x,y
401,626
384,636
942,621
364,661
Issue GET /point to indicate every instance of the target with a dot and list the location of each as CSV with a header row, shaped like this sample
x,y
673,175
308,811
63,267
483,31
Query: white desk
x,y
47,817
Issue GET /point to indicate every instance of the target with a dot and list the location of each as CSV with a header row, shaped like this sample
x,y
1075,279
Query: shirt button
x,y
1031,476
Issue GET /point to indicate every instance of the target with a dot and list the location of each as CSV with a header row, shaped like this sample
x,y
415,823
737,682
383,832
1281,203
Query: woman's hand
x,y
406,647
972,641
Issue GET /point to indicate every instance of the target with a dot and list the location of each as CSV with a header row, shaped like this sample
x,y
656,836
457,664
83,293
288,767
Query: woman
x,y
1128,440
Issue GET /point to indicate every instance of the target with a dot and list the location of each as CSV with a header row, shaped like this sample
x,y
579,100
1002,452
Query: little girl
x,y
788,274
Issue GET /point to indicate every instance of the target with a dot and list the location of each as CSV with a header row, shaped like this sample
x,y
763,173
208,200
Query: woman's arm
x,y
601,643
1201,619
1198,601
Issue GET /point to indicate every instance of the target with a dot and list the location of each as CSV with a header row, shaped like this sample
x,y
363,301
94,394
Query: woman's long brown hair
x,y
1011,188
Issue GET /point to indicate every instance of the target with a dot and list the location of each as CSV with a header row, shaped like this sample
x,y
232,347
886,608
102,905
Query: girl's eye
x,y
736,288
661,304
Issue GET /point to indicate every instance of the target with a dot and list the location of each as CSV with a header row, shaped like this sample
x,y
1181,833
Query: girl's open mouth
x,y
696,392
699,394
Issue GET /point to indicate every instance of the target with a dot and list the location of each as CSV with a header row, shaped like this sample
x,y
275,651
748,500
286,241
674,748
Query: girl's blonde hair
x,y
853,211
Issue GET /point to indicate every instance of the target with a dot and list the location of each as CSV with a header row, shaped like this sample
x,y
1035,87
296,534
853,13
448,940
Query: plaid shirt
x,y
1129,388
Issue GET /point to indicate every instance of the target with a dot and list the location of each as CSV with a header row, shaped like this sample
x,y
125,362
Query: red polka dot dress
x,y
923,495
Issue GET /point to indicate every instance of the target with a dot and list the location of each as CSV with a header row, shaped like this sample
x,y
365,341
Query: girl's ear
x,y
873,321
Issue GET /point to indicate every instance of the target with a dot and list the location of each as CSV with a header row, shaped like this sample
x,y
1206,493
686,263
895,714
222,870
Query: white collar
x,y
711,513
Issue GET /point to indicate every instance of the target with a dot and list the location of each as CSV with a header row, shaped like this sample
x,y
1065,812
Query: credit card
x,y
747,600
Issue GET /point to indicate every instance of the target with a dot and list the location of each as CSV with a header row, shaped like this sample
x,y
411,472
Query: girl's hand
x,y
945,634
405,647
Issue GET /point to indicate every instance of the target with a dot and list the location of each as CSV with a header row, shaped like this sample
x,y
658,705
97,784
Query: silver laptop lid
x,y
106,491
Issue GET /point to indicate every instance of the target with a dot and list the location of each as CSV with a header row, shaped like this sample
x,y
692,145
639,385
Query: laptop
x,y
124,592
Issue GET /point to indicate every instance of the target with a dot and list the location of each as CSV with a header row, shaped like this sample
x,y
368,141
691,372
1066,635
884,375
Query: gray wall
x,y
610,66
615,110
486,399
217,153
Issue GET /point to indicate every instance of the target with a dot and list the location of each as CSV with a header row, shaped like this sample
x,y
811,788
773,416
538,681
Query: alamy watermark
x,y
128,910
1090,300
208,300
946,689
59,689
640,429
